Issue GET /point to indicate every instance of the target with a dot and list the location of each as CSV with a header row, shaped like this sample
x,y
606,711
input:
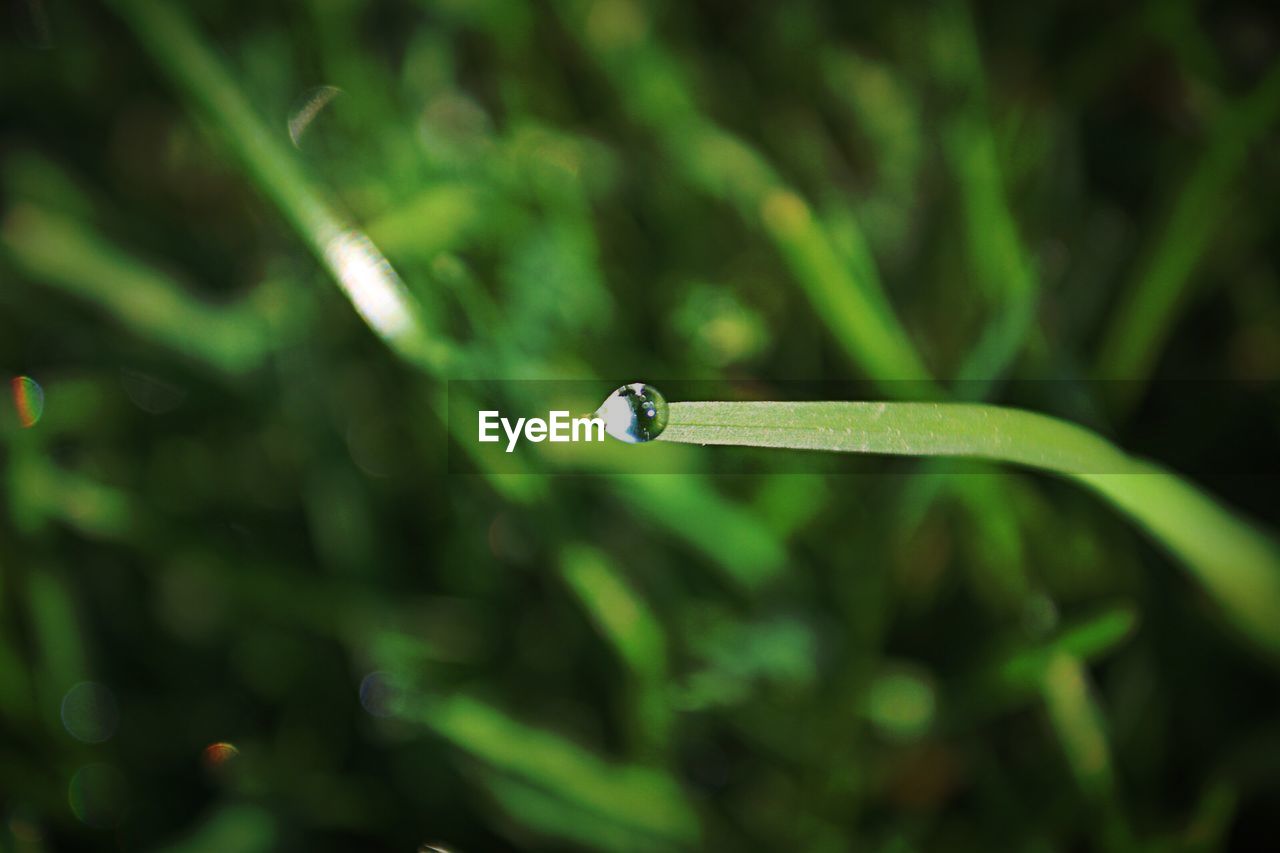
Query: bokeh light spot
x,y
218,754
784,211
151,394
89,712
98,795
28,399
379,694
901,705
24,827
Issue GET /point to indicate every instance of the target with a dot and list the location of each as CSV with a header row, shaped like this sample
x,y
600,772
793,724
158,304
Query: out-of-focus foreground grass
x,y
244,606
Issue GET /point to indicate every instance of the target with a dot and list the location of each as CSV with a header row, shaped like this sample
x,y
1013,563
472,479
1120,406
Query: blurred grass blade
x,y
642,802
1236,563
627,623
854,307
60,651
1013,677
996,250
1148,309
40,490
240,827
351,258
1080,728
617,610
748,554
653,89
440,218
1026,669
1079,723
63,253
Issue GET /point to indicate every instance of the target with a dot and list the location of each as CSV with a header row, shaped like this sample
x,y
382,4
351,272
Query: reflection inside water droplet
x,y
635,413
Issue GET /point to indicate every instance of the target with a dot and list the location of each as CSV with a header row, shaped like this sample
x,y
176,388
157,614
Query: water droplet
x,y
635,413
89,712
28,398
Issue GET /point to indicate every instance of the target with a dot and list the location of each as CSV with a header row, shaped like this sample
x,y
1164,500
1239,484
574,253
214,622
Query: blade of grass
x,y
1079,723
359,269
1010,678
640,801
1074,713
653,90
618,612
1149,306
855,308
625,620
997,254
354,262
243,827
1025,669
1235,562
748,554
61,252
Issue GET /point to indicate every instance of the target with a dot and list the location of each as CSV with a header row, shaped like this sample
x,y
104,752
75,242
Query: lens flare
x,y
98,795
218,754
28,398
89,712
380,696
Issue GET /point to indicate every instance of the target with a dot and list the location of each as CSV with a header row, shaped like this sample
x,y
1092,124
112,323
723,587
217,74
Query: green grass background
x,y
236,512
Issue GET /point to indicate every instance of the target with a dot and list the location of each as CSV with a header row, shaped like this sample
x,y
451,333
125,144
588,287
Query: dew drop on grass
x,y
635,413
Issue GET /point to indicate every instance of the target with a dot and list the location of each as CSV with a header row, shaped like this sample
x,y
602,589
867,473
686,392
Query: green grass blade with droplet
x,y
1234,561
201,80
